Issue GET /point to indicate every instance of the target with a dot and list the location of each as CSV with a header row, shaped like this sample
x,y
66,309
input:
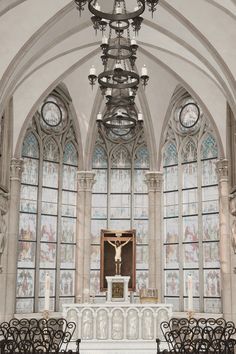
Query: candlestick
x,y
190,292
47,292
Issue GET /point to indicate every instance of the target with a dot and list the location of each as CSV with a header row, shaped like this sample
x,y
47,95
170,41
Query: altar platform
x,y
117,327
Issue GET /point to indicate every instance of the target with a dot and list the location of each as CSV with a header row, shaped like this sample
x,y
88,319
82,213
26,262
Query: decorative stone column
x,y
154,182
225,249
85,184
13,230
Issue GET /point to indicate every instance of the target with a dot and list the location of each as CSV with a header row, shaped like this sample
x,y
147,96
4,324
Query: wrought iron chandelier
x,y
119,80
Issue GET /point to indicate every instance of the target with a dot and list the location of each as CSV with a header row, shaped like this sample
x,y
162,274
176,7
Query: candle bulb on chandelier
x,y
118,9
140,117
99,117
92,70
144,71
104,40
133,41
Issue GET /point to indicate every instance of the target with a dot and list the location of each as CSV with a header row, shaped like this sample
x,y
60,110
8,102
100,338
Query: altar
x,y
109,327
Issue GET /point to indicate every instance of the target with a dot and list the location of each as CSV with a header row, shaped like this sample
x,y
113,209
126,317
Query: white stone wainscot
x,y
117,327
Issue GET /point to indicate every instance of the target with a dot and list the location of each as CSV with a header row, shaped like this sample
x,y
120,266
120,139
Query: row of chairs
x,y
183,336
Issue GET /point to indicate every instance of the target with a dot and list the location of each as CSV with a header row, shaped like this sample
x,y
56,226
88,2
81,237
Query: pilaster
x,y
16,170
225,249
154,181
85,184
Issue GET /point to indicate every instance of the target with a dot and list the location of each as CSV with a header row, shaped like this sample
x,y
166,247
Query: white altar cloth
x,y
117,327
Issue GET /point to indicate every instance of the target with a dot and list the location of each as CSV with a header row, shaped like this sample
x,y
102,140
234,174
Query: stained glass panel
x,y
141,206
209,148
69,178
24,305
26,254
195,278
139,181
141,159
115,224
25,283
212,306
142,257
99,203
212,283
141,227
171,205
121,158
41,304
68,230
196,304
190,175
70,156
120,181
96,227
95,257
42,284
69,204
190,229
67,279
210,227
189,152
95,282
171,178
50,151
173,301
49,201
172,283
99,158
209,175
171,230
48,228
30,172
67,256
47,255
171,256
170,156
30,146
28,201
141,279
120,206
100,185
210,197
50,174
190,202
211,255
27,227
191,255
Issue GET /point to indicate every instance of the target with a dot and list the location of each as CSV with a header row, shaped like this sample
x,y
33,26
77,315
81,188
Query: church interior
x,y
117,165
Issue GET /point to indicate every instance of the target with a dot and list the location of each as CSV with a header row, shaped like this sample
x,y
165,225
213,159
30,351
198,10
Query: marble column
x,y
13,230
85,184
154,181
224,228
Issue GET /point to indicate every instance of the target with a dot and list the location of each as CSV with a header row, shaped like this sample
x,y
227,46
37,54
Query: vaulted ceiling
x,y
187,43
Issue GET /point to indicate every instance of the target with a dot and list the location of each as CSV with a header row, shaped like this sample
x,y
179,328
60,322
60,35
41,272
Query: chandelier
x,y
119,80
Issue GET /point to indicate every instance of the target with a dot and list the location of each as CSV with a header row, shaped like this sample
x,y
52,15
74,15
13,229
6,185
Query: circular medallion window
x,y
189,115
51,113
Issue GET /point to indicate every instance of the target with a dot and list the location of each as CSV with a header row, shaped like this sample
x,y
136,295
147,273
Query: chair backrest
x,y
199,335
35,336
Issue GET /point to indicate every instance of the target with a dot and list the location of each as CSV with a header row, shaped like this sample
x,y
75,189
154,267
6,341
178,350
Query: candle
x,y
140,117
118,66
133,41
104,40
92,71
190,292
108,92
47,292
144,71
99,118
118,10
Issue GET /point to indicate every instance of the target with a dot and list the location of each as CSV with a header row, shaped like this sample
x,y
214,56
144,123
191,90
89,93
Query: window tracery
x,y
47,225
191,213
120,199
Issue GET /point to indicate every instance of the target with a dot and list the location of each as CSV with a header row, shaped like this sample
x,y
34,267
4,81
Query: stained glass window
x,y
47,226
191,218
120,200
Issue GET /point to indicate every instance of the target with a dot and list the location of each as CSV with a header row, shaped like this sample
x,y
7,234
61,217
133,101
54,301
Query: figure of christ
x,y
118,245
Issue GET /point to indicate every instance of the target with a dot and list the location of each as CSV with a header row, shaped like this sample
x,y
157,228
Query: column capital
x,y
16,168
86,180
222,169
154,180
